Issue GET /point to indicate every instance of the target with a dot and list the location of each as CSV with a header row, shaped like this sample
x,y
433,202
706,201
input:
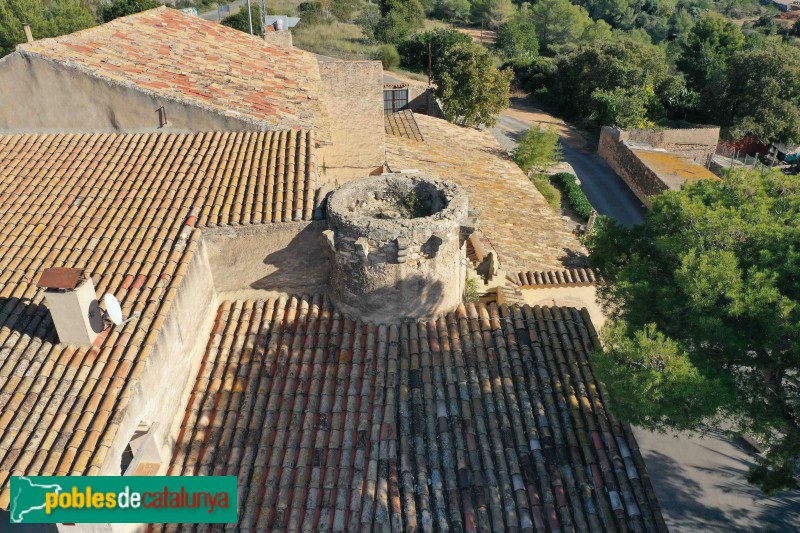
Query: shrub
x,y
575,197
537,148
389,56
471,291
550,193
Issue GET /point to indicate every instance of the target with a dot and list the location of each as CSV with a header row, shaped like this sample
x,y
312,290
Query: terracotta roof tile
x,y
124,208
515,221
571,277
486,419
200,62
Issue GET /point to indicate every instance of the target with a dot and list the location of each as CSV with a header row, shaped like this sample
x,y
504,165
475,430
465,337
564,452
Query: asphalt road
x,y
603,187
213,14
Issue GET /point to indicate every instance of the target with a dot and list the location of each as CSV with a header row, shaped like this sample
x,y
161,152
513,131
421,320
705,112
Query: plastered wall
x,y
353,91
271,259
46,96
162,390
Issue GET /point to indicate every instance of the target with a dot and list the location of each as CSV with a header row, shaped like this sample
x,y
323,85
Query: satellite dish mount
x,y
114,311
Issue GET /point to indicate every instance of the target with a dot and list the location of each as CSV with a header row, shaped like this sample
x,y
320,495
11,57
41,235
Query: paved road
x,y
700,484
604,188
212,14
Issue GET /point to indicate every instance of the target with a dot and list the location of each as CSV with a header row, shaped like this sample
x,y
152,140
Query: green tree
x,y
473,91
516,40
704,299
414,50
46,18
399,19
570,82
451,10
762,91
490,12
122,8
240,20
707,48
537,148
368,20
626,107
558,23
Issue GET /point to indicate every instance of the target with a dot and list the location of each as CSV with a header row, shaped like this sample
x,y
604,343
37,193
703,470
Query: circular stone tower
x,y
397,247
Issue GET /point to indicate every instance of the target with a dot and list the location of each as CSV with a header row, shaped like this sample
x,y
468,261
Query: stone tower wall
x,y
397,268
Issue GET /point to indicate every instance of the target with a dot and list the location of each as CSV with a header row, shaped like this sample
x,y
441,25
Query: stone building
x,y
653,161
163,70
309,338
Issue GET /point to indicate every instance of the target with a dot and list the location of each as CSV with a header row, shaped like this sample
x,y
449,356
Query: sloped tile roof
x,y
200,62
124,208
515,222
486,419
571,277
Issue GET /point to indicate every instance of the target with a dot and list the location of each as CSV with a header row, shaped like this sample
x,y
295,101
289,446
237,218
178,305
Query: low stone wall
x,y
641,180
272,259
697,143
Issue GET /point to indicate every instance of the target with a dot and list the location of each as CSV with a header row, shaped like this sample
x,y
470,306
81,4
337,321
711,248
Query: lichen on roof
x,y
673,169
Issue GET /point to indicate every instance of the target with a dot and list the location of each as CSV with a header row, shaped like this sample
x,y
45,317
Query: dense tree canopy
x,y
47,18
704,299
122,8
399,19
708,47
763,93
617,69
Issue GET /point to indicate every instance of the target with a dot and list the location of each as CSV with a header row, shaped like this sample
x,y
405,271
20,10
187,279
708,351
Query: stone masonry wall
x,y
697,143
353,92
641,180
385,270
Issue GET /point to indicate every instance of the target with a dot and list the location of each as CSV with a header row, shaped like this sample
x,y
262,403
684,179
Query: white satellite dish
x,y
114,310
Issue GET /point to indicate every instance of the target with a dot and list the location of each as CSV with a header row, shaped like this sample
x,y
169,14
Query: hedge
x,y
575,197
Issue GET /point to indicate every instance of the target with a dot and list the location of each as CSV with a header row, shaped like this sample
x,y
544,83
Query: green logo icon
x,y
129,499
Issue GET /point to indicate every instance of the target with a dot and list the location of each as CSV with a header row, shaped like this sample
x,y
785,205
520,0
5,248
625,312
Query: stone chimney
x,y
397,244
282,38
72,301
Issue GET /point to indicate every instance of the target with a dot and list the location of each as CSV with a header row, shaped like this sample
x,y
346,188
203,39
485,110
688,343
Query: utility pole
x,y
250,17
430,65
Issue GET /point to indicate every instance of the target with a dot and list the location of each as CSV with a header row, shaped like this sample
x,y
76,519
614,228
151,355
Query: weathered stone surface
x,y
397,247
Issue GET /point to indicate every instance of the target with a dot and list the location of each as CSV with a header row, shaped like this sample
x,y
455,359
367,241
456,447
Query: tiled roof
x,y
123,207
486,419
403,124
515,221
571,277
176,55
